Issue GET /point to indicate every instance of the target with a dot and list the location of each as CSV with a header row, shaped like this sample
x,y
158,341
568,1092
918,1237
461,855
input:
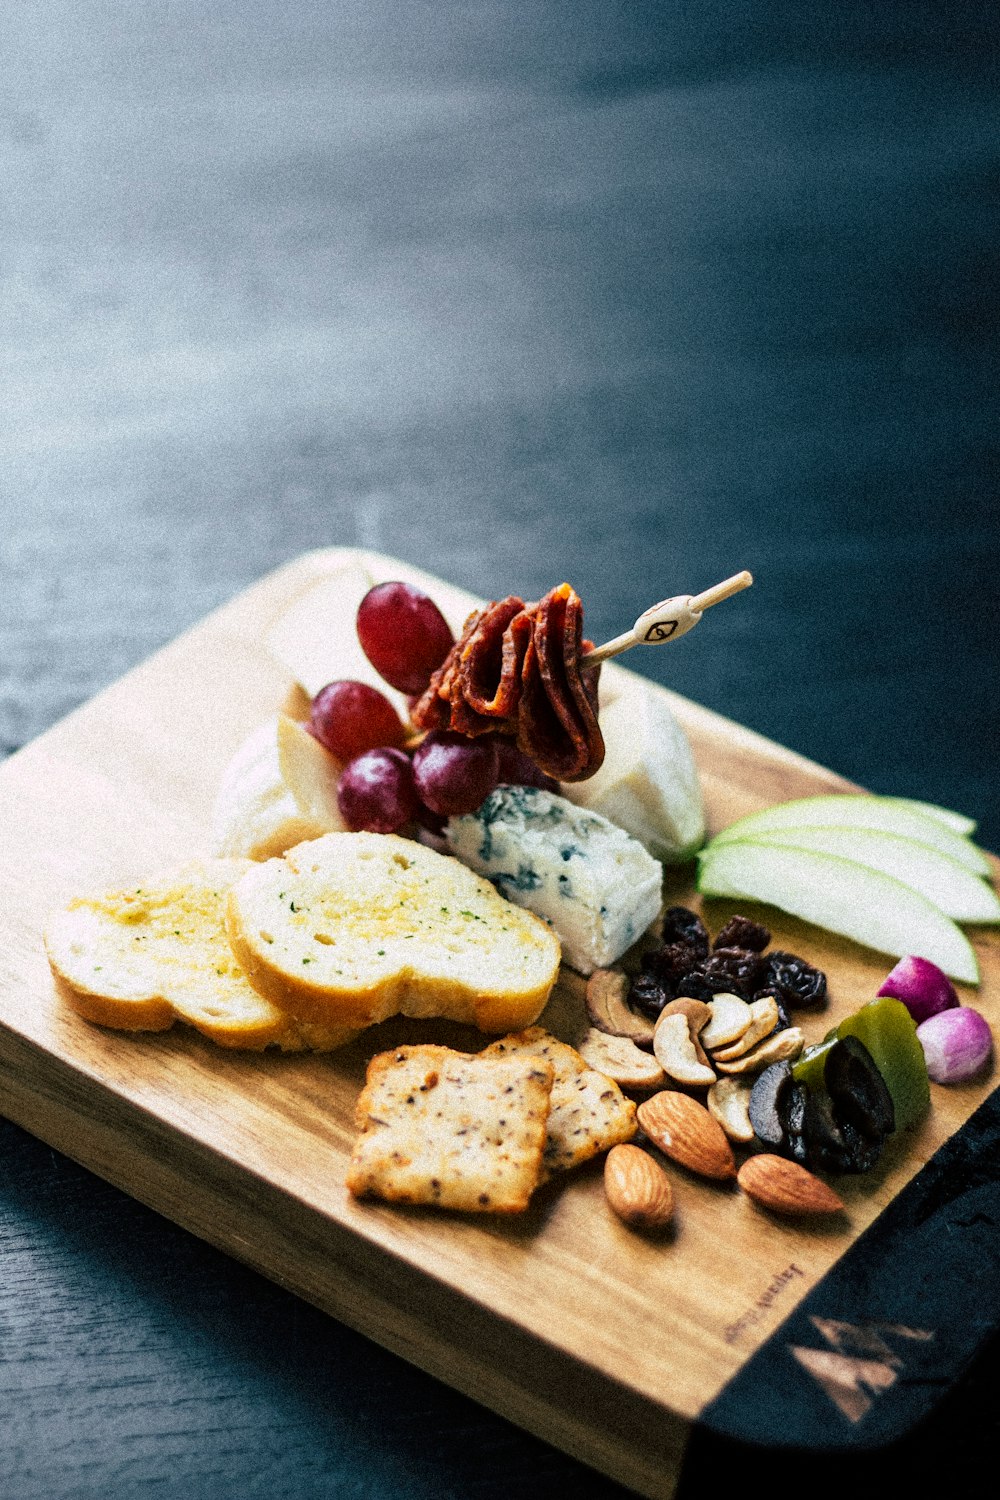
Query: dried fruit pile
x,y
687,963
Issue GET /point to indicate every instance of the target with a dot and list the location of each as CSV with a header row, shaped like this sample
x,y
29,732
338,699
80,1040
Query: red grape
x,y
403,634
518,769
452,773
351,717
376,793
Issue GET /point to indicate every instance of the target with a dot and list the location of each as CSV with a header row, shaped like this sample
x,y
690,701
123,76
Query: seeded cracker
x,y
589,1113
453,1129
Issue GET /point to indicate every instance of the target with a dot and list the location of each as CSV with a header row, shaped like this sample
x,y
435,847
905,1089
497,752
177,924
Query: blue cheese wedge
x,y
596,886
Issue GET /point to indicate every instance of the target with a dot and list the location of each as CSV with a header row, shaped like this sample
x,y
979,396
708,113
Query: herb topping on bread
x,y
139,959
351,928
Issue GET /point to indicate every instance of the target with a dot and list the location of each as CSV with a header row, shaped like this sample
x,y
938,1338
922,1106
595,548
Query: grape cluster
x,y
384,786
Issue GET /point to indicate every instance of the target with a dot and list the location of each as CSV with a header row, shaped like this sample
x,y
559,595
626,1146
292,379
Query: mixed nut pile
x,y
711,1016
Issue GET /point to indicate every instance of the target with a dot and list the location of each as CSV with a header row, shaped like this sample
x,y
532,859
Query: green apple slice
x,y
956,821
961,895
883,813
871,908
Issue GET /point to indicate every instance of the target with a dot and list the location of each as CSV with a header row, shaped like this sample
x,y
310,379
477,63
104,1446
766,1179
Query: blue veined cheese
x,y
596,886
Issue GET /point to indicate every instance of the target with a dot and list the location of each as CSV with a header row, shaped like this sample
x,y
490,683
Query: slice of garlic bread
x,y
351,928
140,959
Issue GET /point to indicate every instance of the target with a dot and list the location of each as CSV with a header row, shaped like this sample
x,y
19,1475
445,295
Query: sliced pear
x,y
882,813
956,821
961,895
845,897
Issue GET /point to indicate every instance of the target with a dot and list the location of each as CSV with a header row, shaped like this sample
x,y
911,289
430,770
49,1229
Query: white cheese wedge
x,y
648,783
279,788
596,887
316,637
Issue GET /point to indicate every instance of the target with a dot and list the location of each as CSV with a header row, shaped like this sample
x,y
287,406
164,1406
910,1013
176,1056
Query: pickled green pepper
x,y
889,1032
887,1029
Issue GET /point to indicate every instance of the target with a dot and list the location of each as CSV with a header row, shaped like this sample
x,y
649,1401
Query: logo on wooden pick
x,y
660,630
858,1364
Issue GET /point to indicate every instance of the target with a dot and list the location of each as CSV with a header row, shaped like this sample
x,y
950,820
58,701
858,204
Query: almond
x,y
785,1187
684,1130
637,1190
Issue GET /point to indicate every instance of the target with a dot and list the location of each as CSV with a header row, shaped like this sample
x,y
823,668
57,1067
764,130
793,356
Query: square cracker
x,y
457,1130
588,1114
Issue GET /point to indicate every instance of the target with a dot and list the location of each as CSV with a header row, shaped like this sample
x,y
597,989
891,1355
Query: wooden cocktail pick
x,y
668,620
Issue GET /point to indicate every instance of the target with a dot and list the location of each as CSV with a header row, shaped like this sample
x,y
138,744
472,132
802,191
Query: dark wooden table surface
x,y
634,295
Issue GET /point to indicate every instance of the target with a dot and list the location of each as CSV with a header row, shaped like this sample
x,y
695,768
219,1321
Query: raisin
x,y
794,982
670,963
740,932
697,986
683,926
733,971
647,996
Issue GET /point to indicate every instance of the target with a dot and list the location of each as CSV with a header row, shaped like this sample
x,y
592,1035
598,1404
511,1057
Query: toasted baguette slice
x,y
140,959
350,928
459,1131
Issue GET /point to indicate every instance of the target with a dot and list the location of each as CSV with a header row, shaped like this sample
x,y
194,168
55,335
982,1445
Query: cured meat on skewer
x,y
516,670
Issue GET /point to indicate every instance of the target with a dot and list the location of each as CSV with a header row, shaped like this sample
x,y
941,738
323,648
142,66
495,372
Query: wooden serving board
x,y
607,1344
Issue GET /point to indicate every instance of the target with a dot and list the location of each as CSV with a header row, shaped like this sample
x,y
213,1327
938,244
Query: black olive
x,y
828,1150
864,1150
793,1110
768,1102
860,1094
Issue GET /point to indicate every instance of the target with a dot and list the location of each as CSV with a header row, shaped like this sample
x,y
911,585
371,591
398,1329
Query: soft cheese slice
x,y
279,788
648,783
316,637
595,885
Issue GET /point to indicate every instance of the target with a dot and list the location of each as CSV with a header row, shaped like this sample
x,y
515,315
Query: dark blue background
x,y
629,294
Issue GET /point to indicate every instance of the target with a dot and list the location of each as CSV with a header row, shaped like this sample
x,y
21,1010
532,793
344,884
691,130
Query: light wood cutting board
x,y
607,1344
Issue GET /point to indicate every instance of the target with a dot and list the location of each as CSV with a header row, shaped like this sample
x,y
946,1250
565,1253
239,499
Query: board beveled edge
x,y
604,1424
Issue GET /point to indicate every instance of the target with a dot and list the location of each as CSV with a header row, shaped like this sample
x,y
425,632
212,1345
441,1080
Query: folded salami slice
x,y
516,670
